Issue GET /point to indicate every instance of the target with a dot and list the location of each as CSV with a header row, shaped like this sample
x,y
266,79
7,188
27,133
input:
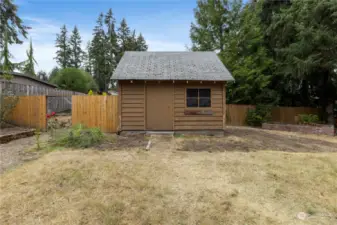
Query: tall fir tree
x,y
12,23
98,52
30,62
87,59
123,34
63,53
305,38
76,52
111,42
5,56
141,43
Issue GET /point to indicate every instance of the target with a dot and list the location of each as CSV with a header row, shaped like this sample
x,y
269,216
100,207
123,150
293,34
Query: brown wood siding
x,y
132,96
198,122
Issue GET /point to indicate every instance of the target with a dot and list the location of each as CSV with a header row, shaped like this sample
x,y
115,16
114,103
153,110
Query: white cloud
x,y
43,34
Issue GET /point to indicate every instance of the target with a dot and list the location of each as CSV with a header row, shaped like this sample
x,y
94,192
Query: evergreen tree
x,y
124,37
11,23
98,52
141,43
29,63
42,75
76,52
87,59
63,53
214,21
5,56
305,38
112,44
247,59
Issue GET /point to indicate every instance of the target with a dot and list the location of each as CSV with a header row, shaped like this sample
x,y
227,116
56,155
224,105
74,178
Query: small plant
x,y
259,115
308,119
90,92
52,123
79,136
37,138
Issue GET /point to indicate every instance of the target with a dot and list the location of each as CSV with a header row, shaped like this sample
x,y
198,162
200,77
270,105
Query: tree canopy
x,y
279,52
74,79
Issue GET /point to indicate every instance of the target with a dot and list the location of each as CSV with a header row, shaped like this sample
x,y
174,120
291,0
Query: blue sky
x,y
164,23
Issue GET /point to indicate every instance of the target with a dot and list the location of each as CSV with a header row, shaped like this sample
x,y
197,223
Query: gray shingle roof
x,y
171,66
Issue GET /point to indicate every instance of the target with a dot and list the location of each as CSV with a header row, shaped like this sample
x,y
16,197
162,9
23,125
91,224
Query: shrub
x,y
75,80
308,118
79,136
259,115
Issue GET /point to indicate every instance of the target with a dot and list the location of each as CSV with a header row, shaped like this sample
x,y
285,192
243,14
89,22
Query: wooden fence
x,y
30,111
26,90
96,111
236,114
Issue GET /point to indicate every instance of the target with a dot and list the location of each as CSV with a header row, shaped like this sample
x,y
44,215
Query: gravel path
x,y
13,153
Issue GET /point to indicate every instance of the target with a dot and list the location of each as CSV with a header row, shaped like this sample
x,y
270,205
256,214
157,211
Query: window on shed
x,y
198,97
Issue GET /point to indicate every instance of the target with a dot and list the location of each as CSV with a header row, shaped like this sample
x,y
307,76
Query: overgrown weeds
x,y
78,136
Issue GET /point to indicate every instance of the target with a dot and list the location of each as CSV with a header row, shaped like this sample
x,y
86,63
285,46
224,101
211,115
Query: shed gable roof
x,y
171,66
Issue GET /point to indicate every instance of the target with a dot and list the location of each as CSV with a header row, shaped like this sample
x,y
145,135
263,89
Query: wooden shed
x,y
171,91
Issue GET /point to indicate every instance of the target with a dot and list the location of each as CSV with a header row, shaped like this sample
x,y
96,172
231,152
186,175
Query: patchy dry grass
x,y
171,187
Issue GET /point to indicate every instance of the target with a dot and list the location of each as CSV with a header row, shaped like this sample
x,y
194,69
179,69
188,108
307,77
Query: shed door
x,y
159,106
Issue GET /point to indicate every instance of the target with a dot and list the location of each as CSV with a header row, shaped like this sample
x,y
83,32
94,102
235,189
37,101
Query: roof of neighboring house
x,y
30,78
171,66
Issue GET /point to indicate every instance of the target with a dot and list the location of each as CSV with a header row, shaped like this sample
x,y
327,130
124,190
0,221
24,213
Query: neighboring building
x,y
171,91
20,78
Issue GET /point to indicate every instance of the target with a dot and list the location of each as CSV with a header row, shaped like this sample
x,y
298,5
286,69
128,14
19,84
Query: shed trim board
x,y
143,104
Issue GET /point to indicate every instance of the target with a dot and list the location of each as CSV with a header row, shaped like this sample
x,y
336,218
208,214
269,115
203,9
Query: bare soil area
x,y
250,139
14,153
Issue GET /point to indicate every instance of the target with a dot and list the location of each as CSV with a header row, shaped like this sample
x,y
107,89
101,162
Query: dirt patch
x,y
14,153
248,139
118,142
12,133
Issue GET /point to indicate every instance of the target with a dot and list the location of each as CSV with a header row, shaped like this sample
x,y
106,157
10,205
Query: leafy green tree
x,y
305,37
75,80
53,74
76,52
42,75
247,59
30,62
11,23
214,22
63,53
